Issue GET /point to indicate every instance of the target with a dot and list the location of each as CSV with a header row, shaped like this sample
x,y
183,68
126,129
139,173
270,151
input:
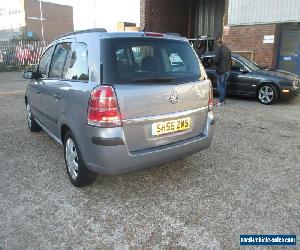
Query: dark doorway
x,y
289,52
209,18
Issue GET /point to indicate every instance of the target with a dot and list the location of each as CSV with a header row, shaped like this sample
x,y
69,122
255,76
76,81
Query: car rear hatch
x,y
161,96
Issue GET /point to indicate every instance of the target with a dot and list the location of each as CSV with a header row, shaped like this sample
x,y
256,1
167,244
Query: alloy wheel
x,y
71,158
266,94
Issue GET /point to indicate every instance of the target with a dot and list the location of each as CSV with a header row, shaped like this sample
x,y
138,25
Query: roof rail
x,y
83,31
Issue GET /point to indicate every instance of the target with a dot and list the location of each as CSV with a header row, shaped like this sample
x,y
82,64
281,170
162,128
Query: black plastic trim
x,y
107,141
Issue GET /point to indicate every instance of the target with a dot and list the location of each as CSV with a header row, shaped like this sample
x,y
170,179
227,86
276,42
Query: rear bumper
x,y
115,160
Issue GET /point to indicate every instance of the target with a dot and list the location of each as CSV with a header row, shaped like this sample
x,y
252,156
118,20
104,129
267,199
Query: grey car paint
x,y
57,103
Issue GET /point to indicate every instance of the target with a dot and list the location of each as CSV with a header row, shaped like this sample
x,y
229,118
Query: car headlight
x,y
296,83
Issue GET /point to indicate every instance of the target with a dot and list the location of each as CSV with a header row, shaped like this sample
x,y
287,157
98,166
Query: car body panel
x,y
51,97
33,96
143,105
102,161
64,104
240,83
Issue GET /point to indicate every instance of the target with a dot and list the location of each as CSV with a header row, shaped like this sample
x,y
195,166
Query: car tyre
x,y
268,94
32,124
77,171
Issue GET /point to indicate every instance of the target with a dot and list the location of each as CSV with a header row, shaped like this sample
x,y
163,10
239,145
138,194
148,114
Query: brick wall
x,y
173,16
165,16
59,19
250,38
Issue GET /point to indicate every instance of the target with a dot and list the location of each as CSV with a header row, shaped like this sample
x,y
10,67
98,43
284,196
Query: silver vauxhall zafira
x,y
120,102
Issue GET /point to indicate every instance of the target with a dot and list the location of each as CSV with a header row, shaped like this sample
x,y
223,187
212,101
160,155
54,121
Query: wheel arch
x,y
63,130
65,124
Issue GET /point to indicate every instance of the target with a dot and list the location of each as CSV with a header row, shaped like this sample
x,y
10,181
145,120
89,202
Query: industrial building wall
x,y
250,40
249,12
58,19
190,18
259,41
165,16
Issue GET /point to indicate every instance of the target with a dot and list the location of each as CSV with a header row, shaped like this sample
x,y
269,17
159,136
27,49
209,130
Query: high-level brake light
x,y
154,34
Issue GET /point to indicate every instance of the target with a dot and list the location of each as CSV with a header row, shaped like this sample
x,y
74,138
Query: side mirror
x,y
28,74
244,70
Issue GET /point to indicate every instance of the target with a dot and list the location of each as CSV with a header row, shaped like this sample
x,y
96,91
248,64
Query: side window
x,y
76,66
59,60
236,65
45,62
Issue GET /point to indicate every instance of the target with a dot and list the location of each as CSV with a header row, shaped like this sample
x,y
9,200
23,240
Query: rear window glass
x,y
126,60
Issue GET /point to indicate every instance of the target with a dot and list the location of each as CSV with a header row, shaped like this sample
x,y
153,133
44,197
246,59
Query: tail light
x,y
103,109
210,97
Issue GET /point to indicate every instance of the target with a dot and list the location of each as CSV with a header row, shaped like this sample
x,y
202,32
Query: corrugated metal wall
x,y
242,12
209,18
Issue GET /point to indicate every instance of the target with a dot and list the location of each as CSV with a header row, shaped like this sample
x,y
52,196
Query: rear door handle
x,y
38,92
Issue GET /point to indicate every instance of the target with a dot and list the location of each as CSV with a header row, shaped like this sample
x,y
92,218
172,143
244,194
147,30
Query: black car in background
x,y
246,78
7,57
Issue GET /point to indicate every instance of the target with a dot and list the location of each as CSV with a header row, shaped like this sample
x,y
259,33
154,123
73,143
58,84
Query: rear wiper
x,y
153,79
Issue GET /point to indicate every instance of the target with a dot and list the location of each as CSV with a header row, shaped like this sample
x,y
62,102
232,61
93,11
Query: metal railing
x,y
20,54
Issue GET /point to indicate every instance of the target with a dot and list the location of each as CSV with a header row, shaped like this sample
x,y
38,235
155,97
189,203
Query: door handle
x,y
38,92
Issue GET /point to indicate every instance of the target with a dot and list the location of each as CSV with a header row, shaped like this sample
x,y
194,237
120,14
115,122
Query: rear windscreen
x,y
130,59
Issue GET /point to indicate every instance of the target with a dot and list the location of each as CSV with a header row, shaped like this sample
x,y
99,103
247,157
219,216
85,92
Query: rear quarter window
x,y
76,66
70,62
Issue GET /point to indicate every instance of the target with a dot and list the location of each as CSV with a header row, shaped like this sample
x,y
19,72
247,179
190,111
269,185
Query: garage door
x,y
289,58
